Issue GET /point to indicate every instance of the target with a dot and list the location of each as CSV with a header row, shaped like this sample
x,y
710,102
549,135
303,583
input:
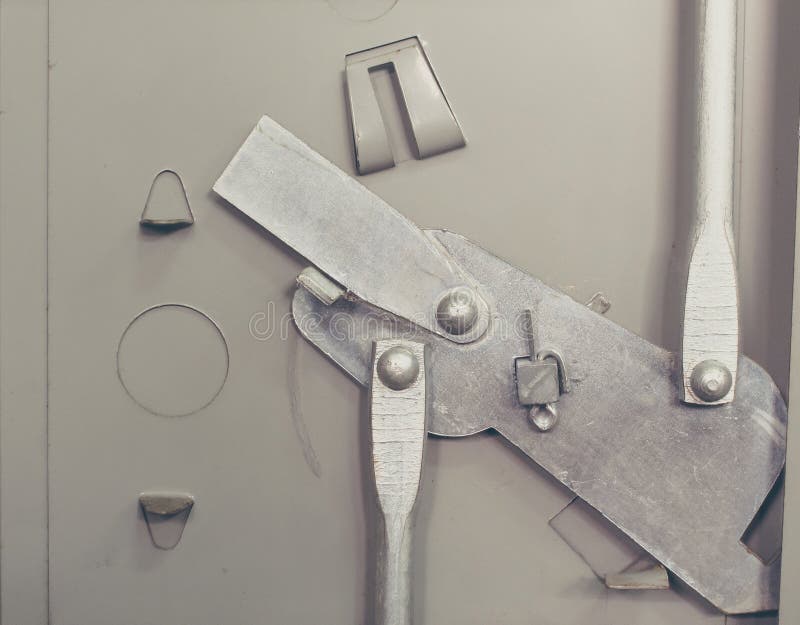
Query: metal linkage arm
x,y
710,351
399,428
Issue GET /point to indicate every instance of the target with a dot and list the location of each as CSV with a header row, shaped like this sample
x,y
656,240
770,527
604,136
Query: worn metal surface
x,y
711,310
683,482
398,432
344,229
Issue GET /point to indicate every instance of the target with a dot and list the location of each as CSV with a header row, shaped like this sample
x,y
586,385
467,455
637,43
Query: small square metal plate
x,y
537,381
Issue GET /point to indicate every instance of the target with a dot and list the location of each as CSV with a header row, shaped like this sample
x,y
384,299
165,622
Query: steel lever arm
x,y
710,350
399,429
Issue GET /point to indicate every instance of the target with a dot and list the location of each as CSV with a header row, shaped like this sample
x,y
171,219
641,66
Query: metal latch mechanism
x,y
541,380
665,473
683,482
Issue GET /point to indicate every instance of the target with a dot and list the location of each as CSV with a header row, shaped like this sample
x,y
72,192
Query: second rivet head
x,y
398,368
711,380
458,310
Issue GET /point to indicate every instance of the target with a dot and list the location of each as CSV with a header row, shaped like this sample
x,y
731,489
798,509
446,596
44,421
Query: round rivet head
x,y
458,310
398,368
711,380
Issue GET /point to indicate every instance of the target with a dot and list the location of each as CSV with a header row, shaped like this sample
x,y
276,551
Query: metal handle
x,y
393,590
710,350
398,424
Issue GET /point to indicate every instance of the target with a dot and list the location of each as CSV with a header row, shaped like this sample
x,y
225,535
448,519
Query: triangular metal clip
x,y
167,205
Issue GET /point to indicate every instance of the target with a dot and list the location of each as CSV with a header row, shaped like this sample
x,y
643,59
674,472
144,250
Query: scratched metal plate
x,y
683,482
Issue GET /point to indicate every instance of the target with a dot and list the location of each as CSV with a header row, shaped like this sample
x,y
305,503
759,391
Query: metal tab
x,y
320,285
537,381
166,514
642,575
433,123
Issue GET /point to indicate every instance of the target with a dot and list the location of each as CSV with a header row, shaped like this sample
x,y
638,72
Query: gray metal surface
x,y
332,220
24,593
683,482
267,529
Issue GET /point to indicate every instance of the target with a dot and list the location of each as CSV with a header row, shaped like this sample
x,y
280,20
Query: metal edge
x,y
789,611
24,101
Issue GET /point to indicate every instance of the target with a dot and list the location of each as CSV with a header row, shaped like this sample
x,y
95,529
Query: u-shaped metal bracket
x,y
563,379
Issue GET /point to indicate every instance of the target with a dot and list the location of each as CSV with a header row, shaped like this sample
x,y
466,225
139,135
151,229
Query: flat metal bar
x,y
341,227
398,429
711,311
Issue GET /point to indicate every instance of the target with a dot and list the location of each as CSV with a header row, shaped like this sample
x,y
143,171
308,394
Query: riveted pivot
x,y
398,368
458,310
711,380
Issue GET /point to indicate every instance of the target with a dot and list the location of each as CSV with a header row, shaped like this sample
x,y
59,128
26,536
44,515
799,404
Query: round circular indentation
x,y
362,10
711,380
398,368
172,360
